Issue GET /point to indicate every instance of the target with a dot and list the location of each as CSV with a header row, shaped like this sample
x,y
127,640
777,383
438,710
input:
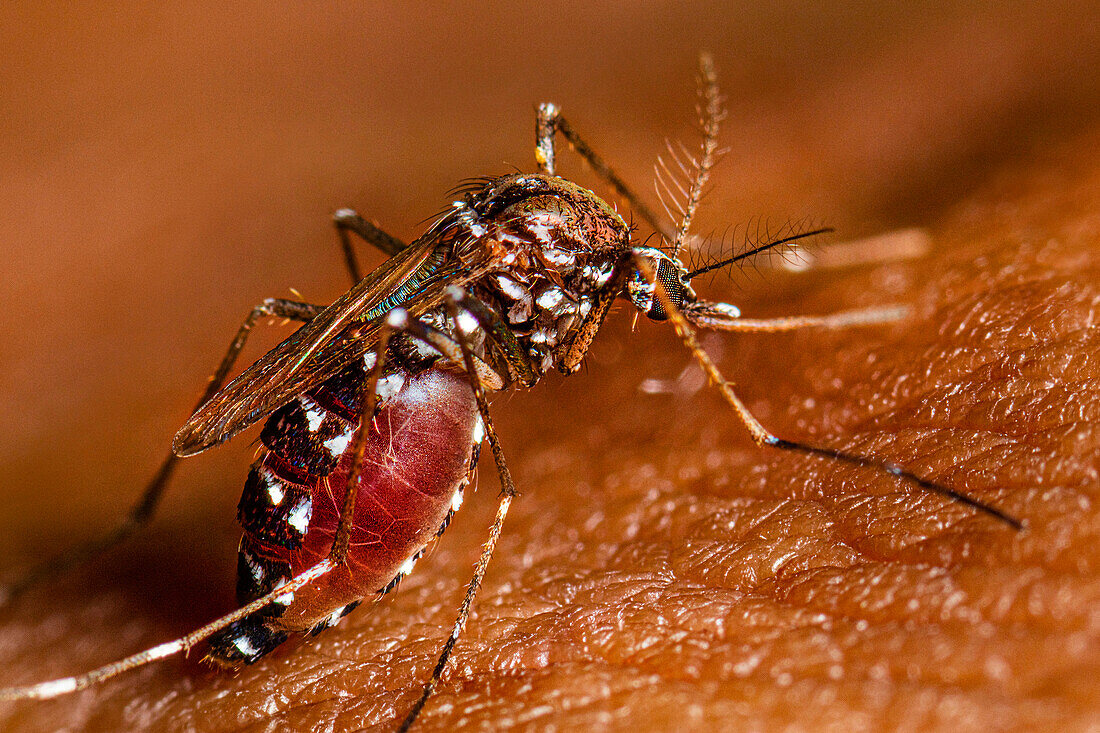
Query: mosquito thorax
x,y
556,213
559,247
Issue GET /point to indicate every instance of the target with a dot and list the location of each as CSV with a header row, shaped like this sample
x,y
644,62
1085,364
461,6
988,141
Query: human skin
x,y
658,571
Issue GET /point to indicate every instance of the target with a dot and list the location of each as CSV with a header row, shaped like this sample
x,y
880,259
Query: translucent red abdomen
x,y
420,451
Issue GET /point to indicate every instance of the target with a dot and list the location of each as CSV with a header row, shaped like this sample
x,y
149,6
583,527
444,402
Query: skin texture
x,y
657,571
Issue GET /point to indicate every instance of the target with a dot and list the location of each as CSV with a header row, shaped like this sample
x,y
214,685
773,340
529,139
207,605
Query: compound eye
x,y
669,276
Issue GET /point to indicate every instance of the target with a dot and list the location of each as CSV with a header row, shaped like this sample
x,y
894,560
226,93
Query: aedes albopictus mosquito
x,y
513,281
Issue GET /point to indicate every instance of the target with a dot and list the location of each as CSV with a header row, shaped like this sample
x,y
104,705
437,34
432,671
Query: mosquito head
x,y
673,275
676,280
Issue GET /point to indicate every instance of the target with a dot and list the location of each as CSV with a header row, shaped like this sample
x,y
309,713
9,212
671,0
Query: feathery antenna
x,y
679,198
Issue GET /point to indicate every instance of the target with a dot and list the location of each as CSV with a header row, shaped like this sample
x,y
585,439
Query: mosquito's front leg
x,y
142,511
717,317
763,437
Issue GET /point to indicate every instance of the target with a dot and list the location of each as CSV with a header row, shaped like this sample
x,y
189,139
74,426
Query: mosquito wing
x,y
415,278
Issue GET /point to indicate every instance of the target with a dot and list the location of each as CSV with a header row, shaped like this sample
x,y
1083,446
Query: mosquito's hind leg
x,y
246,640
398,320
142,511
508,492
347,220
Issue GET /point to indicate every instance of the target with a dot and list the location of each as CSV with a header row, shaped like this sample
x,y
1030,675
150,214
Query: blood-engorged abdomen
x,y
416,458
421,448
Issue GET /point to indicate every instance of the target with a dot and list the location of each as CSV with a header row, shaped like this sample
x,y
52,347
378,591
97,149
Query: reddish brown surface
x,y
162,172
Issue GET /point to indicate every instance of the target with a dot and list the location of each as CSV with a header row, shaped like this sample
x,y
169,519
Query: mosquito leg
x,y
515,358
142,510
761,436
397,320
66,685
576,349
549,120
508,492
346,220
699,316
368,402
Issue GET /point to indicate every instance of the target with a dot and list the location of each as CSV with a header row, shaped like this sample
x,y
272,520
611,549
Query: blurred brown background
x,y
165,168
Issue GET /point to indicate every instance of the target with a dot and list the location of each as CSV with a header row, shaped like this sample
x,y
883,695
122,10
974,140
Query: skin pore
x,y
657,570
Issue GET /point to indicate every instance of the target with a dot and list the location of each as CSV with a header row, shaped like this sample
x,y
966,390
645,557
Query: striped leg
x,y
761,436
508,492
398,320
143,509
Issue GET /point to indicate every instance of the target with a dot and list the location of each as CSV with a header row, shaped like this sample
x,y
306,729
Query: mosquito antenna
x,y
695,168
757,250
668,186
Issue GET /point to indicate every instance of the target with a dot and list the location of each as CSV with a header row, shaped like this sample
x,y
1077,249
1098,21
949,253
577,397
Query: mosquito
x,y
376,409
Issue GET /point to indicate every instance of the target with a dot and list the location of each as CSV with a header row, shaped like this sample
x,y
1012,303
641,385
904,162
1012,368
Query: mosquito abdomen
x,y
420,451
